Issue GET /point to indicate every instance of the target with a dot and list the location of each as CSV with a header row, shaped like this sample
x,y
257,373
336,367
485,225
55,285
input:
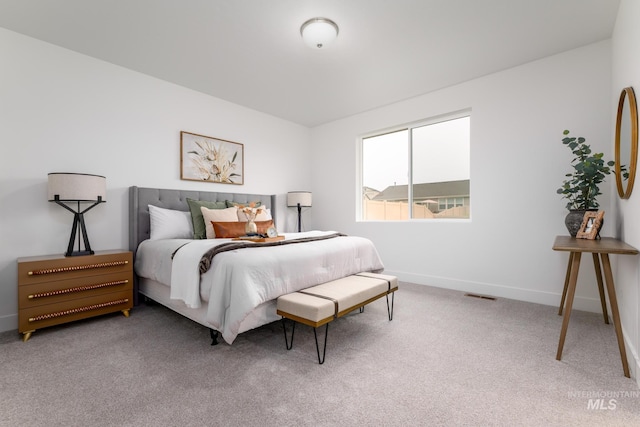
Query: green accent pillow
x,y
199,230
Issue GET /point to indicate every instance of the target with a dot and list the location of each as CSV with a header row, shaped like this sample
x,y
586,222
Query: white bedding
x,y
242,279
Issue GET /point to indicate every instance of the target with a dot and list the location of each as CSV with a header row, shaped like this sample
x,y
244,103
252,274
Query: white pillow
x,y
217,215
170,224
264,215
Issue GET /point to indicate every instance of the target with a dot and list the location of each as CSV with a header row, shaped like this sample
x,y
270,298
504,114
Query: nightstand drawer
x,y
67,311
64,290
47,269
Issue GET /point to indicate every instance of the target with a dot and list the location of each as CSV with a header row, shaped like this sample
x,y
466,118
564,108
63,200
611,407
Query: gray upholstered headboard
x,y
141,198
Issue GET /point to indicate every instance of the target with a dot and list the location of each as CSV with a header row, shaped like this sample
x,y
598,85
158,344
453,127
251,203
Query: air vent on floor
x,y
480,296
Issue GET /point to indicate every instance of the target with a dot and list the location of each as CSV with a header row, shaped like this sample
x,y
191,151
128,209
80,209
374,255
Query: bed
x,y
238,286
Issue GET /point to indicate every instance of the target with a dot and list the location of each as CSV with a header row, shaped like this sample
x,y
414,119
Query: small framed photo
x,y
591,224
204,158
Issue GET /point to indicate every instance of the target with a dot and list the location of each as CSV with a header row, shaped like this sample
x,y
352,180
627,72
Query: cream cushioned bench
x,y
319,305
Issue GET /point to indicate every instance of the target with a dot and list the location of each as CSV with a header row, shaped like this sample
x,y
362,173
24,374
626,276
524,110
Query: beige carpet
x,y
445,359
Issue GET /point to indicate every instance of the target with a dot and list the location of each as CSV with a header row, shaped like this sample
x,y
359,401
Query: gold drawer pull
x,y
78,310
77,268
78,289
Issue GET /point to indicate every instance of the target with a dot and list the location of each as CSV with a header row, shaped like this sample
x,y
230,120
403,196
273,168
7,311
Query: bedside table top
x,y
78,258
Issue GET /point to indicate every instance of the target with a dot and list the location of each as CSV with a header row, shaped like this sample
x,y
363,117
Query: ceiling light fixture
x,y
319,32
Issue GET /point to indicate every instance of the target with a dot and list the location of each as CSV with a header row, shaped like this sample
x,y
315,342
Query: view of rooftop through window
x,y
427,163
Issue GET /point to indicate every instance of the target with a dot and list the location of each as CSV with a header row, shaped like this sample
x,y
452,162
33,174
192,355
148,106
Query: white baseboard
x,y
489,289
9,323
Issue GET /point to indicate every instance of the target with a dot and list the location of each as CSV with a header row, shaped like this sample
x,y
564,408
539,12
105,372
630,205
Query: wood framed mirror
x,y
626,143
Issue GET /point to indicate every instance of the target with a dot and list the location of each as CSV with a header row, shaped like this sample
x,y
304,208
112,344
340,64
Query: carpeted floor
x,y
445,359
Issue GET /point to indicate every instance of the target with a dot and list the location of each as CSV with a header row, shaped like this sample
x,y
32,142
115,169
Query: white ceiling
x,y
250,52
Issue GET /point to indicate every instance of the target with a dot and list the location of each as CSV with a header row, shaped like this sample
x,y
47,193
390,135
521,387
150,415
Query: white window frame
x,y
408,126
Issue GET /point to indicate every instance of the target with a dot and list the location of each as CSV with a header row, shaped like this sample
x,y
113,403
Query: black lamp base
x,y
78,227
79,253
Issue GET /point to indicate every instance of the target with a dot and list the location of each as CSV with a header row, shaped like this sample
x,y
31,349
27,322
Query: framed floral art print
x,y
204,158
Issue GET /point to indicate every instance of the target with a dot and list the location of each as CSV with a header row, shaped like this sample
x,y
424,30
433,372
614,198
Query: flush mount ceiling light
x,y
319,32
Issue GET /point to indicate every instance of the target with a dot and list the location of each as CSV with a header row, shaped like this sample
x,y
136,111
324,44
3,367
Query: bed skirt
x,y
261,315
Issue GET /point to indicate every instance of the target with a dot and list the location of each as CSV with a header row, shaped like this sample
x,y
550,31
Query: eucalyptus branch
x,y
589,171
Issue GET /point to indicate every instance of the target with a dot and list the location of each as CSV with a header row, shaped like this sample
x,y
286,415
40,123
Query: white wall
x,y
65,112
517,163
626,72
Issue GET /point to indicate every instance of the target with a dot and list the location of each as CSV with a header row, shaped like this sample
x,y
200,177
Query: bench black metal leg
x,y
324,350
214,336
390,310
293,330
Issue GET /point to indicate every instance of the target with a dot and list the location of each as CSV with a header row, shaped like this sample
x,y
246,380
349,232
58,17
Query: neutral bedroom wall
x,y
61,111
517,163
626,72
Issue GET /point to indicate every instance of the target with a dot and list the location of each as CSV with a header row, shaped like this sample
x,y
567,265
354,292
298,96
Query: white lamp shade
x,y
77,187
319,32
302,197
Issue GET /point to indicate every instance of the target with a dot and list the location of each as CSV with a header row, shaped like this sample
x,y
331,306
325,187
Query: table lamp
x,y
299,199
74,189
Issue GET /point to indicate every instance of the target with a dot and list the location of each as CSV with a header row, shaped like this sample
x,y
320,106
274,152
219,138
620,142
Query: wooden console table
x,y
602,247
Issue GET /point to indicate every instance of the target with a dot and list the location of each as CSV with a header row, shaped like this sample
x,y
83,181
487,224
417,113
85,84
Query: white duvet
x,y
242,279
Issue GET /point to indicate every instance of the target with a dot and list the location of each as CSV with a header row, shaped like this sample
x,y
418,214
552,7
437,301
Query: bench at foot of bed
x,y
319,305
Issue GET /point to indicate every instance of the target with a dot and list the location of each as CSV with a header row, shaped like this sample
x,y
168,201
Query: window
x,y
421,171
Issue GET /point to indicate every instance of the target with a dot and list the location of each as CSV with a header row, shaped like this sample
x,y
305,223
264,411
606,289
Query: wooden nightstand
x,y
55,289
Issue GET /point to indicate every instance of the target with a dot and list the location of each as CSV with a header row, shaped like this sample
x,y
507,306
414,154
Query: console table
x,y
600,250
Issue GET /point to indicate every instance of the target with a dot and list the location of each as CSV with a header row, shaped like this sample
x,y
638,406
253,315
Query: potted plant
x,y
581,188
